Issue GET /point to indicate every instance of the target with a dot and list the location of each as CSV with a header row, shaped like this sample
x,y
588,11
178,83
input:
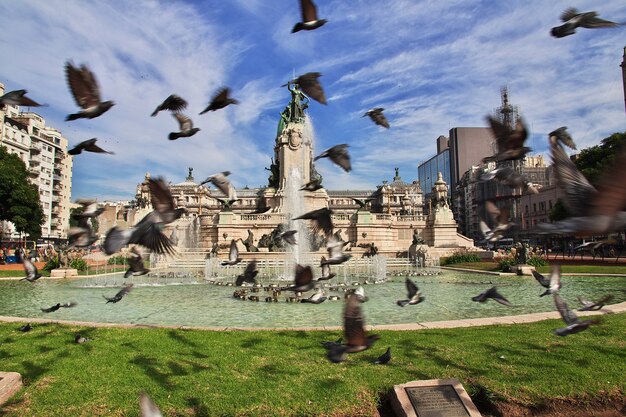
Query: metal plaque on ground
x,y
433,398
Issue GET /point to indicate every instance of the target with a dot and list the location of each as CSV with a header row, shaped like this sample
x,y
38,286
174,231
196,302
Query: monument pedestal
x,y
524,269
432,398
63,273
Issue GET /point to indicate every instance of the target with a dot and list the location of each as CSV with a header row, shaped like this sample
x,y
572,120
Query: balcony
x,y
34,171
35,148
57,177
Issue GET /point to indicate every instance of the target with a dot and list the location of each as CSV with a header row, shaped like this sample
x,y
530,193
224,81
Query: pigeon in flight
x,y
377,117
121,293
356,339
309,84
334,246
384,358
17,98
322,220
249,275
312,185
90,209
509,142
186,127
339,155
146,233
220,100
362,203
561,135
303,281
233,254
414,294
574,324
88,145
309,17
83,235
173,103
289,237
80,339
574,19
326,274
317,298
148,407
594,305
500,218
493,294
136,266
510,177
58,306
163,201
32,274
222,183
84,88
553,284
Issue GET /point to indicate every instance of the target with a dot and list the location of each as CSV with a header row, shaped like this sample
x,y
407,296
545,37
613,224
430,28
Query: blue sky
x,y
432,65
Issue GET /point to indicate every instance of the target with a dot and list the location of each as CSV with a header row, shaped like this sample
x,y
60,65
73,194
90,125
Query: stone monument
x,y
64,270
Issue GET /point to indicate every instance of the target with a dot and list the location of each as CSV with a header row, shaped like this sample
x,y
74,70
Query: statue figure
x,y
274,178
249,242
64,261
417,239
215,249
441,191
299,102
521,253
190,177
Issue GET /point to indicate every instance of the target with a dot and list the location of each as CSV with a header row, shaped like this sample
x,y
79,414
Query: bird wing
x,y
83,85
611,196
311,86
233,253
484,229
124,291
340,156
92,147
555,278
569,13
221,182
496,296
160,195
591,20
304,275
541,279
148,407
221,96
569,317
309,11
584,302
184,122
411,288
174,103
29,267
579,193
250,269
501,133
148,233
353,322
19,97
325,268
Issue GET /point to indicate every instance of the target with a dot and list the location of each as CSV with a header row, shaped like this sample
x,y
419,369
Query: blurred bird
x,y
334,246
83,235
249,275
553,284
88,145
359,293
222,183
356,339
500,218
594,305
339,155
309,17
135,264
414,294
90,209
384,358
574,324
326,274
58,306
163,201
322,220
330,344
317,298
147,233
148,407
121,293
377,117
17,98
561,135
186,127
233,254
173,103
309,84
362,203
220,100
289,236
303,281
509,141
80,340
312,185
26,328
493,294
574,19
84,88
508,176
32,274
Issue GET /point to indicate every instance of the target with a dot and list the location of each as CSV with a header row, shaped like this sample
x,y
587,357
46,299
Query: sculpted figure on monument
x,y
441,191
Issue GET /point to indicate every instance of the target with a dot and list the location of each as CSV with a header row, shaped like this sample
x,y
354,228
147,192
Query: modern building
x,y
43,149
428,171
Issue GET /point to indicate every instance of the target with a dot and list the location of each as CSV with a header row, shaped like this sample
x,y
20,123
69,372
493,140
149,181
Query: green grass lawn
x,y
285,373
568,269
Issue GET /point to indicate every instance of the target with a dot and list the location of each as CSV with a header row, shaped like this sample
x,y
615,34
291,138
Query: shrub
x,y
53,263
506,264
537,261
459,257
117,260
79,264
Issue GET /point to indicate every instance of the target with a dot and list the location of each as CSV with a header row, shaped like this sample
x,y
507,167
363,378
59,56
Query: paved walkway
x,y
449,324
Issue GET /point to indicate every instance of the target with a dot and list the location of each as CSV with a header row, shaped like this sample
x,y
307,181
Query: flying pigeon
x,y
148,233
322,220
148,407
309,17
58,306
362,203
83,235
80,339
561,135
309,84
233,254
136,266
220,100
173,103
326,274
500,218
359,292
553,284
88,145
222,183
289,237
356,339
317,298
384,358
249,275
377,117
84,88
574,19
163,201
17,98
508,141
334,246
121,293
493,294
339,155
594,305
303,280
574,324
510,177
32,274
414,294
90,209
312,185
186,127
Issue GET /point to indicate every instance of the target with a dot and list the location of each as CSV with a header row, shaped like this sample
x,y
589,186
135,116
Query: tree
x,y
593,161
19,199
559,212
